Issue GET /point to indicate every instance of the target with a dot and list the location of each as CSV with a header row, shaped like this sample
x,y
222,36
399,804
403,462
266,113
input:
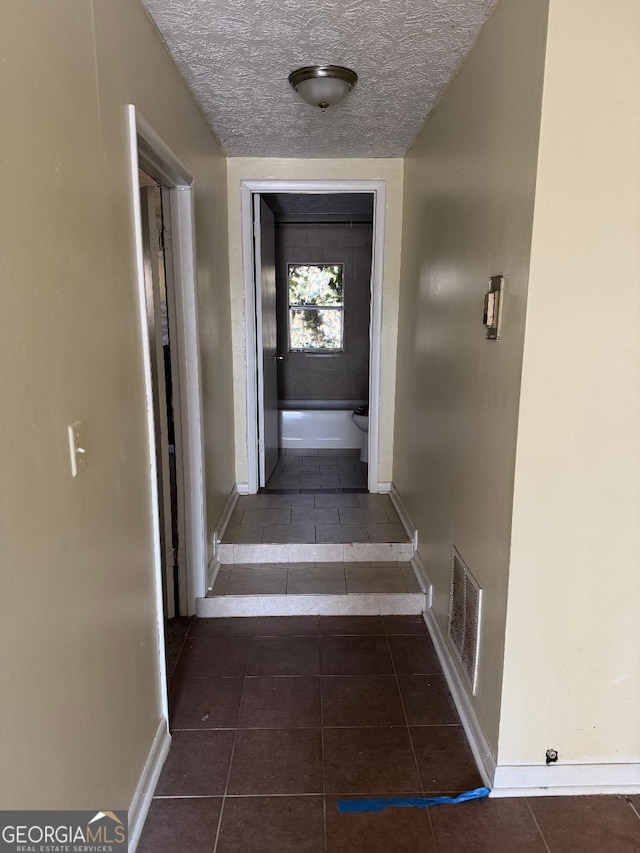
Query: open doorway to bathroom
x,y
322,252
316,293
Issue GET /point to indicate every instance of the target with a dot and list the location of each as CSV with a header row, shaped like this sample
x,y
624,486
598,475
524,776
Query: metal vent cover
x,y
465,607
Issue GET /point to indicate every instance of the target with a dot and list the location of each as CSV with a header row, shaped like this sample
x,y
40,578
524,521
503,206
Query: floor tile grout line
x,y
336,795
324,784
215,837
233,748
187,636
433,833
286,794
312,728
535,820
404,714
297,675
283,635
187,796
344,674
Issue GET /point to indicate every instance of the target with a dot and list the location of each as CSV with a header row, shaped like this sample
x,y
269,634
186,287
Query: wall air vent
x,y
465,607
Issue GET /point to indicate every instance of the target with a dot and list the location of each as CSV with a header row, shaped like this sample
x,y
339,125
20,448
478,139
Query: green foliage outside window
x,y
315,307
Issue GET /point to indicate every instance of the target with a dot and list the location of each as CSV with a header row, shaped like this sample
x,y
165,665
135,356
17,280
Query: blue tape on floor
x,y
409,802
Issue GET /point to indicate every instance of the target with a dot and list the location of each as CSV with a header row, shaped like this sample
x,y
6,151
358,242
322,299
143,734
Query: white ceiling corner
x,y
236,56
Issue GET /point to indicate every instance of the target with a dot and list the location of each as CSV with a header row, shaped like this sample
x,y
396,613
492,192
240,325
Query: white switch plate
x,y
76,450
493,301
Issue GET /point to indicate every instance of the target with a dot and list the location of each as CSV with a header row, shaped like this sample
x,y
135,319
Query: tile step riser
x,y
316,553
352,604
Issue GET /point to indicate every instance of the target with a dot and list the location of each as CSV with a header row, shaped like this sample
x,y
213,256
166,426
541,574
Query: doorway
x,y
148,152
292,338
162,332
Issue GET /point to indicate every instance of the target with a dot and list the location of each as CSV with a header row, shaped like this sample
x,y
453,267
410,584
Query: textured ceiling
x,y
237,56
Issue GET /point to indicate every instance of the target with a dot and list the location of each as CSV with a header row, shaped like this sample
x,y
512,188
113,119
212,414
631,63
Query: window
x,y
316,307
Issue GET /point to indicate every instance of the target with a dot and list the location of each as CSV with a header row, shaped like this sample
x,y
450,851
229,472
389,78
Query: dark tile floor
x,y
334,469
276,718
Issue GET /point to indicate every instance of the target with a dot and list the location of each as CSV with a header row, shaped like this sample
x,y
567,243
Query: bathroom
x,y
323,253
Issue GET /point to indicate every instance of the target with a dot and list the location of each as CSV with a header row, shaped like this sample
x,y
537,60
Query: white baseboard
x,y
384,488
526,780
540,780
423,578
147,783
212,573
477,741
223,523
405,518
242,487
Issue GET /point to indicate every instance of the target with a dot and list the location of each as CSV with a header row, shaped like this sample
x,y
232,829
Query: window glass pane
x,y
311,328
315,285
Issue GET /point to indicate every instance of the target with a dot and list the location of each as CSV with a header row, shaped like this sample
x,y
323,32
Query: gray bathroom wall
x,y
340,376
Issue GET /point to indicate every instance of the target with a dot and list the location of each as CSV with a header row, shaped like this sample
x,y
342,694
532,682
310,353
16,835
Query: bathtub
x,y
319,423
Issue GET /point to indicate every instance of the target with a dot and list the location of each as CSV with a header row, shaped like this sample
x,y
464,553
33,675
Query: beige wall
x,y
572,663
126,74
78,636
468,207
391,171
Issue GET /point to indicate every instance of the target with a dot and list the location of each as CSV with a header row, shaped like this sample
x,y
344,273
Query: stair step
x,y
342,588
313,552
352,604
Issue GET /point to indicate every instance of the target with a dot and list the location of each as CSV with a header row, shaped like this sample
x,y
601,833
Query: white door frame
x,y
266,361
152,240
247,189
146,145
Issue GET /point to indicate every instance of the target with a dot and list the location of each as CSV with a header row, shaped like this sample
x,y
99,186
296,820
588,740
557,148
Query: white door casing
x,y
248,190
148,150
150,248
266,335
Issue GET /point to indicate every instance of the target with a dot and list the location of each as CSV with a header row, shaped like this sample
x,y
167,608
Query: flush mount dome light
x,y
323,85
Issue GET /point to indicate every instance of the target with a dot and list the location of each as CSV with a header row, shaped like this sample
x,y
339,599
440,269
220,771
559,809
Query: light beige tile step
x,y
352,604
311,528
314,552
343,588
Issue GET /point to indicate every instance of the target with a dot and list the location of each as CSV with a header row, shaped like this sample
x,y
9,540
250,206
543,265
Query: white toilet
x,y
360,417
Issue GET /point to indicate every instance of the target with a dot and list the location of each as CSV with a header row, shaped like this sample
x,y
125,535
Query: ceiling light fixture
x,y
323,85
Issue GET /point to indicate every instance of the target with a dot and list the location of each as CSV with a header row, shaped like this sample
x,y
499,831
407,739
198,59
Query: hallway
x,y
274,719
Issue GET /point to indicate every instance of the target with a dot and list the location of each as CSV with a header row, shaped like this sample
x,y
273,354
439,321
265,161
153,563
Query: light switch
x,y
76,450
492,315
